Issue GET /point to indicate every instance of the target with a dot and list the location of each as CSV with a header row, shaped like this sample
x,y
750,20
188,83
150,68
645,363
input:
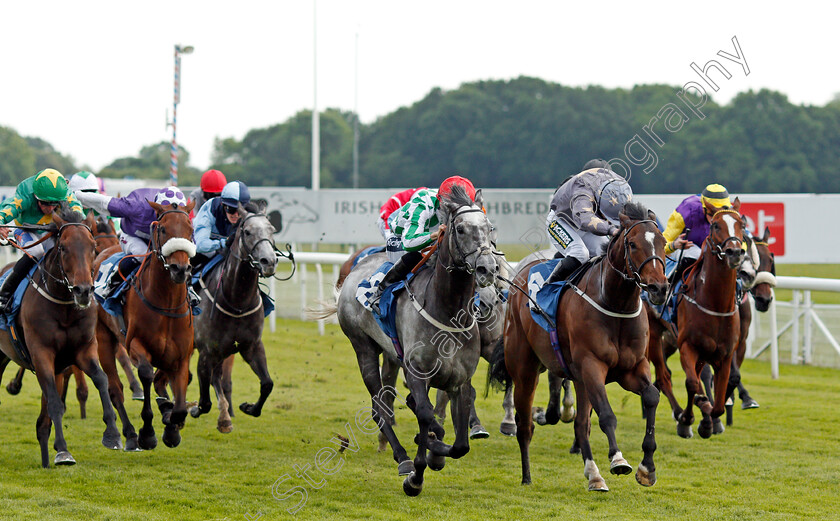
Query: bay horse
x,y
232,318
105,236
708,321
57,324
159,326
439,345
602,337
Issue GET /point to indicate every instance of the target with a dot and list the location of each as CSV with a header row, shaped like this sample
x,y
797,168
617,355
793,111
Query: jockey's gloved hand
x,y
614,231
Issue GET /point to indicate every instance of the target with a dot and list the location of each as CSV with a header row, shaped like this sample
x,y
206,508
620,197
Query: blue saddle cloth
x,y
7,320
112,303
387,316
667,310
368,251
546,295
268,302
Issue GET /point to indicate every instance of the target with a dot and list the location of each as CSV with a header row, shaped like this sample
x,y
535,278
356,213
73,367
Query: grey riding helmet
x,y
611,198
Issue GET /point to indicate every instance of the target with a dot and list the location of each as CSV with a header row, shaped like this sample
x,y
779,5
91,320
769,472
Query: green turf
x,y
777,462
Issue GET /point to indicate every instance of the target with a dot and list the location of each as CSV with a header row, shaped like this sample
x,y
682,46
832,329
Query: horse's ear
x,y
736,204
262,204
449,207
156,207
709,207
744,221
56,218
479,198
90,221
766,236
651,215
190,206
622,217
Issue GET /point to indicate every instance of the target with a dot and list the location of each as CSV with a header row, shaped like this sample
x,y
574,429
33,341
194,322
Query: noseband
x,y
635,272
249,252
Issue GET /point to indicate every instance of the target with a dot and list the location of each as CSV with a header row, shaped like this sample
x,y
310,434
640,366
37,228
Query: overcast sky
x,y
95,79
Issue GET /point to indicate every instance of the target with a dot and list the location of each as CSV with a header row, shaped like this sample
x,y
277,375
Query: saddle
x,y
7,320
547,296
112,300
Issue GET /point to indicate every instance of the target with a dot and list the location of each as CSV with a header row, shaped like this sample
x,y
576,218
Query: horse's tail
x,y
497,373
322,309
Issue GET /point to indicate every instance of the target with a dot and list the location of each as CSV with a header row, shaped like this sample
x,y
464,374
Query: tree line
x,y
520,133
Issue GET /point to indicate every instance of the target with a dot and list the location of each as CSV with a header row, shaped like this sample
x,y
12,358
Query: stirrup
x,y
193,297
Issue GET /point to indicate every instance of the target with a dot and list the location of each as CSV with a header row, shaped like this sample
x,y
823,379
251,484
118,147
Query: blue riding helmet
x,y
234,193
611,197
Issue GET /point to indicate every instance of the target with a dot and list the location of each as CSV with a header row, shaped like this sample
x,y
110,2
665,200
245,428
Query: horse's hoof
x,y
478,433
64,458
13,389
131,445
147,440
225,426
405,467
620,467
598,485
410,488
717,426
539,416
195,412
568,415
248,408
112,442
684,431
138,396
705,429
436,463
171,437
749,404
645,478
508,429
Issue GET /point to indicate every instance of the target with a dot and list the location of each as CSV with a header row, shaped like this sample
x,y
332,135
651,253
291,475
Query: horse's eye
x,y
247,233
459,229
631,245
162,229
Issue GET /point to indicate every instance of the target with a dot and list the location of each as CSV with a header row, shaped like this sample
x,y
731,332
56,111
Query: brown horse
x,y
602,337
348,266
159,326
105,236
57,324
709,323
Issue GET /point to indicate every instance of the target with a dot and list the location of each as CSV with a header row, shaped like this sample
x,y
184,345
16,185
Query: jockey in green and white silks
x,y
33,203
584,215
416,225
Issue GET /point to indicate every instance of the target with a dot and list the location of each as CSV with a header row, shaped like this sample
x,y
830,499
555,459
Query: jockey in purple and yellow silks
x,y
688,225
33,203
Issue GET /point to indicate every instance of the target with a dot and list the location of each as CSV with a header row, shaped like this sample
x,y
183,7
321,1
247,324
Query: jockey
x,y
688,225
84,181
417,225
394,203
212,183
34,201
218,217
137,218
584,215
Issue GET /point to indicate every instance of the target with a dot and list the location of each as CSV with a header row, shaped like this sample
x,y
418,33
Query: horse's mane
x,y
635,211
67,214
458,196
102,225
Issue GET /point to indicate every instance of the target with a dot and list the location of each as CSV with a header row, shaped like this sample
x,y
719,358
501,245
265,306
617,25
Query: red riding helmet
x,y
213,181
448,183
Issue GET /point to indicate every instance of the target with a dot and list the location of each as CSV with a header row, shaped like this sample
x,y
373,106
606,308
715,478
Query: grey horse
x,y
437,330
232,316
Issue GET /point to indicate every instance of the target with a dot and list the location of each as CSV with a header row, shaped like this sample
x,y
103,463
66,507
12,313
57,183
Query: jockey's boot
x,y
564,268
398,272
126,266
19,271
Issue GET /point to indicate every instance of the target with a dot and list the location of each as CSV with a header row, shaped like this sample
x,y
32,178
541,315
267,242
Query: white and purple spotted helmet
x,y
171,195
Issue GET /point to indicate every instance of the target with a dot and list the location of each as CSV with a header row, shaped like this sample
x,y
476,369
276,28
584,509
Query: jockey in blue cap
x,y
216,220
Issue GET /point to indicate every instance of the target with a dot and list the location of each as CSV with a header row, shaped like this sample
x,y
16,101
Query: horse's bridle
x,y
64,279
252,262
464,264
635,272
154,230
717,248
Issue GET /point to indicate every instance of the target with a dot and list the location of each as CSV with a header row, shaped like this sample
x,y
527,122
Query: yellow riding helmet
x,y
716,195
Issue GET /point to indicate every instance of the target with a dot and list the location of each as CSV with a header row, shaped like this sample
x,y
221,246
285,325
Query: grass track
x,y
777,462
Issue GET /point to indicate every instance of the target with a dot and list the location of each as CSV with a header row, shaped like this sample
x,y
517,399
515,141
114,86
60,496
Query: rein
x,y
717,248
